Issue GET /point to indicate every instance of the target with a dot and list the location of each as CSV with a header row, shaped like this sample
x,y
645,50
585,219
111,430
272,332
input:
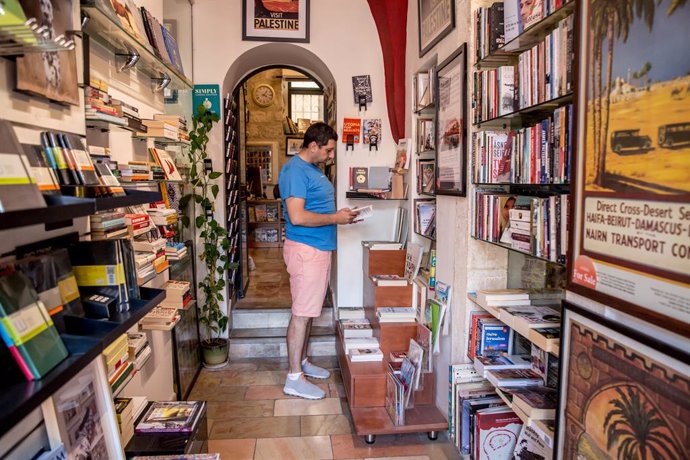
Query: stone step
x,y
277,332
276,347
272,318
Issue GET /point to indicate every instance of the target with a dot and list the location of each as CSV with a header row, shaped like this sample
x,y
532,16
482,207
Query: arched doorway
x,y
257,142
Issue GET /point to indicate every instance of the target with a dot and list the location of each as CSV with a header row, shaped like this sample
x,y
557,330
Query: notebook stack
x,y
124,410
171,417
120,368
108,225
135,171
99,105
178,294
396,314
175,251
139,349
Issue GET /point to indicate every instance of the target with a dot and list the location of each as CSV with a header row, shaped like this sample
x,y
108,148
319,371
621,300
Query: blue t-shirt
x,y
300,179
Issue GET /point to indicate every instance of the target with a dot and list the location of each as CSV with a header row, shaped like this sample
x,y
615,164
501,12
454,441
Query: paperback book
x,y
170,417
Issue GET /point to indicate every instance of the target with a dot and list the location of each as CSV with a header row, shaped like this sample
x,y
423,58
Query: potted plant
x,y
214,238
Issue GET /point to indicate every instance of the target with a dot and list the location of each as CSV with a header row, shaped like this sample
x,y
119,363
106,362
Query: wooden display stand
x,y
257,225
365,382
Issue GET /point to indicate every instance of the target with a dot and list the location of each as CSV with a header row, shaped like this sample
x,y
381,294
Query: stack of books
x,y
171,417
98,104
138,224
145,269
390,280
351,313
139,349
350,328
483,364
396,314
124,410
130,114
359,342
178,122
135,171
159,128
162,216
178,294
488,336
160,318
152,247
359,355
120,368
175,251
108,225
382,245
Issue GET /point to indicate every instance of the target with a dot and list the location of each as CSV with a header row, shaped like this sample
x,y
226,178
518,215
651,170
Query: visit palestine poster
x,y
631,232
276,20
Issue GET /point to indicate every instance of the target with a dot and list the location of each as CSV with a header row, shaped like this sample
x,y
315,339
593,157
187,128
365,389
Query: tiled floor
x,y
269,284
251,418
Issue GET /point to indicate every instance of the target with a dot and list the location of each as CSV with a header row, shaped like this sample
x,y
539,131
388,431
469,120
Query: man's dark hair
x,y
320,133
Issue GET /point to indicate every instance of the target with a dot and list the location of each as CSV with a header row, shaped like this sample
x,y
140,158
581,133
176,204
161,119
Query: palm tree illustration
x,y
611,18
637,429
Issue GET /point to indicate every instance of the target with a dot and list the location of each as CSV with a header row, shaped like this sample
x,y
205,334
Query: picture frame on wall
x,y
631,175
618,387
451,124
275,21
436,18
293,144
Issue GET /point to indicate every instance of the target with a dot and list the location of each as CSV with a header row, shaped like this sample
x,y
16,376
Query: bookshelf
x,y
526,115
86,339
365,382
265,223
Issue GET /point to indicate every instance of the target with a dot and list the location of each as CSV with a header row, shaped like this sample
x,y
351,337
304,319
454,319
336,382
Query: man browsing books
x,y
310,227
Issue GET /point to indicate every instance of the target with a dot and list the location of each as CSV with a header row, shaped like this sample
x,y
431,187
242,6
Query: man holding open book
x,y
310,227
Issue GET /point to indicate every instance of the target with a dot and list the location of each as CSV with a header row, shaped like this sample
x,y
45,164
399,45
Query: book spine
x,y
21,362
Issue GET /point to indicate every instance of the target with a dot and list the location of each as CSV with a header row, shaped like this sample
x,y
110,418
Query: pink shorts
x,y
310,270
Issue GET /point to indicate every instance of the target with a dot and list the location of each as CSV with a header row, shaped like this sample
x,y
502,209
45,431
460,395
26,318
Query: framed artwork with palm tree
x,y
623,395
630,233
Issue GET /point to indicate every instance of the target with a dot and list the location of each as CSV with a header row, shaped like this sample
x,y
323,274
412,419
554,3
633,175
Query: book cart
x,y
38,409
365,382
538,177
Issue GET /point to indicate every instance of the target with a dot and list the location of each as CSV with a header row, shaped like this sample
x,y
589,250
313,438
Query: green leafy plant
x,y
214,236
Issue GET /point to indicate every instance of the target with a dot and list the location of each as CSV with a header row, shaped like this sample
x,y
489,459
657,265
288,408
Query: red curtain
x,y
390,17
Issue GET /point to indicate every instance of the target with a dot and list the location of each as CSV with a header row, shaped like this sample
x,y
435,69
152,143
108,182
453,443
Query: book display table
x,y
365,382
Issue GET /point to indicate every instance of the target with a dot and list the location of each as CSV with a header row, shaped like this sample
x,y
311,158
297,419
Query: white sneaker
x,y
303,389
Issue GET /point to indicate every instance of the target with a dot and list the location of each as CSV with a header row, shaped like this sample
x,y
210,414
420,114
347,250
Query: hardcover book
x,y
352,128
371,130
172,49
170,417
496,433
537,402
514,377
361,86
530,446
486,363
359,178
18,189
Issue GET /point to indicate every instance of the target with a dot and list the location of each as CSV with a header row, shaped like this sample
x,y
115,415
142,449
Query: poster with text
x,y
631,222
275,20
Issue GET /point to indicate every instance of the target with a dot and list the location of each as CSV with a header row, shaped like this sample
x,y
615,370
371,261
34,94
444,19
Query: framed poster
x,y
436,20
293,144
451,119
275,20
622,394
630,244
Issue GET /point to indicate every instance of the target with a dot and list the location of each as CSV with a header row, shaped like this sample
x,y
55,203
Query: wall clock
x,y
263,95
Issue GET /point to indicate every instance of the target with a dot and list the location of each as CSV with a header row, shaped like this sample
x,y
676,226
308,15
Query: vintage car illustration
x,y
672,134
630,140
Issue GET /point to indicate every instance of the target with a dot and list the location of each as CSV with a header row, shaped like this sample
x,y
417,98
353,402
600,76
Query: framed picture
x,y
622,394
50,74
436,20
293,144
426,177
275,20
451,120
631,197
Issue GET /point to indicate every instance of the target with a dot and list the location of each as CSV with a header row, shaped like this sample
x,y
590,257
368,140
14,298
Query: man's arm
x,y
300,216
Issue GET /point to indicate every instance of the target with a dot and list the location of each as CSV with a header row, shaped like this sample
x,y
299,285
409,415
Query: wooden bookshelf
x,y
254,225
526,114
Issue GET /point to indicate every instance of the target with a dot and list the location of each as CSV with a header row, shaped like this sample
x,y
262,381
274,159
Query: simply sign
x,y
208,96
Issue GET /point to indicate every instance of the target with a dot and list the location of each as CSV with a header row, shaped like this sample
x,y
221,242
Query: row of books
x,y
119,368
172,127
479,412
504,21
543,73
264,212
533,225
539,154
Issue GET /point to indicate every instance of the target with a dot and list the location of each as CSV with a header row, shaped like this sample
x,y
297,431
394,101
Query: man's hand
x,y
345,216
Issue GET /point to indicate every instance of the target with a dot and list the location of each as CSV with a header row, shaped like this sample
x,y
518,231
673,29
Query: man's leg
x,y
297,335
306,340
